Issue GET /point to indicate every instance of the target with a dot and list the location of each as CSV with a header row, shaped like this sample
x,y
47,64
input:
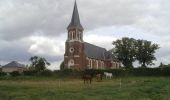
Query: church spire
x,y
75,21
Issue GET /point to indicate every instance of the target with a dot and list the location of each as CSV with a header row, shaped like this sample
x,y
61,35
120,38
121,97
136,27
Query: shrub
x,y
46,73
15,73
3,74
65,72
68,73
30,73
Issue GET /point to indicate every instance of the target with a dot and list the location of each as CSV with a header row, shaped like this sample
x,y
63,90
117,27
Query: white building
x,y
13,66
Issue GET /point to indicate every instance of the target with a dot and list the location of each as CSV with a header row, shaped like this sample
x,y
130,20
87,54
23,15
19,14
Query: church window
x,y
70,63
72,35
81,35
71,50
97,64
76,36
69,35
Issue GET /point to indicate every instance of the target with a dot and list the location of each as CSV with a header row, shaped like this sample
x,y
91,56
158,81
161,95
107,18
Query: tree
x,y
38,63
145,52
124,51
161,65
62,65
127,50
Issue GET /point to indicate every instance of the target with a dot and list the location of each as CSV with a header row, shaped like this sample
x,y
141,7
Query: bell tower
x,y
75,29
74,46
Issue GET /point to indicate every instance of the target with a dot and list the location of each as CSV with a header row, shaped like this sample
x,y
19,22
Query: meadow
x,y
52,88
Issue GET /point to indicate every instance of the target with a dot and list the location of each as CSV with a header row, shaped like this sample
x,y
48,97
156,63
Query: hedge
x,y
78,74
30,73
3,74
45,73
121,72
15,73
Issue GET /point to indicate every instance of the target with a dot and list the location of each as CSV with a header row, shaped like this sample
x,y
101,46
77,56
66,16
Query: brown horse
x,y
87,78
99,77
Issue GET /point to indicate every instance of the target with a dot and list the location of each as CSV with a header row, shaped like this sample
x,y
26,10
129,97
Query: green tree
x,y
124,51
145,52
62,65
161,65
38,63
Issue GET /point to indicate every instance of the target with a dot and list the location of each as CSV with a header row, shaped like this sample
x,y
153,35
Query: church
x,y
80,55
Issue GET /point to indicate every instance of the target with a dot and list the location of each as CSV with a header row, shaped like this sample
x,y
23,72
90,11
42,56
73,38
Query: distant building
x,y
82,55
13,66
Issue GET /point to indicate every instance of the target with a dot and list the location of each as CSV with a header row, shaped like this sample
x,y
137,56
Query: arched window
x,y
70,63
72,35
97,64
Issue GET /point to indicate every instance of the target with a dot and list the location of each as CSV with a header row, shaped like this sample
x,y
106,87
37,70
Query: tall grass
x,y
51,88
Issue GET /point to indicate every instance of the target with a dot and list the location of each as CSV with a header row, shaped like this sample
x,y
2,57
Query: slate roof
x,y
108,55
94,51
14,64
75,21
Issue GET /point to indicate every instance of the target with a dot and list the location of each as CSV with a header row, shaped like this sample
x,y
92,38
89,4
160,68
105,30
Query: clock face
x,y
71,50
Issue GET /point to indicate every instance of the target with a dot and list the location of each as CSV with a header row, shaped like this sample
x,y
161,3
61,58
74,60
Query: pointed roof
x,y
14,64
75,21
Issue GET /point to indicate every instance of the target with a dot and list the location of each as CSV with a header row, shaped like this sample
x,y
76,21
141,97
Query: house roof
x,y
14,64
94,51
75,21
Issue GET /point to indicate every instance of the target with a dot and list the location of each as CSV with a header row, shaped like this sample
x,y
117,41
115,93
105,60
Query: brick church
x,y
81,55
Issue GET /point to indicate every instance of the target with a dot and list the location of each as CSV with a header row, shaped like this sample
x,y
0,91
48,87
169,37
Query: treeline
x,y
165,71
128,50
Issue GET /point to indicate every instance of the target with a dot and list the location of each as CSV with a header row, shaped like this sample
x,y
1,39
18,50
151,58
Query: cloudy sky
x,y
38,27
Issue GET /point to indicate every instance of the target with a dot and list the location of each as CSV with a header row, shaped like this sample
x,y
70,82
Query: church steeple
x,y
75,29
75,21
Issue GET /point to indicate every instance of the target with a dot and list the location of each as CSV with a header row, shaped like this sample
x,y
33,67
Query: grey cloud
x,y
24,18
10,52
18,51
21,18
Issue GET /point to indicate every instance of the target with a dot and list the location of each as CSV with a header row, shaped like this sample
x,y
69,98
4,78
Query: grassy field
x,y
132,88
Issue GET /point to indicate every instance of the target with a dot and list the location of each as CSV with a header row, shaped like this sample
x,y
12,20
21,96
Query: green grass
x,y
44,88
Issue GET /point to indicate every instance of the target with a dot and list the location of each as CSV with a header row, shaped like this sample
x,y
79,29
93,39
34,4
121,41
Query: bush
x,y
30,73
116,72
46,73
15,73
68,73
3,74
65,72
